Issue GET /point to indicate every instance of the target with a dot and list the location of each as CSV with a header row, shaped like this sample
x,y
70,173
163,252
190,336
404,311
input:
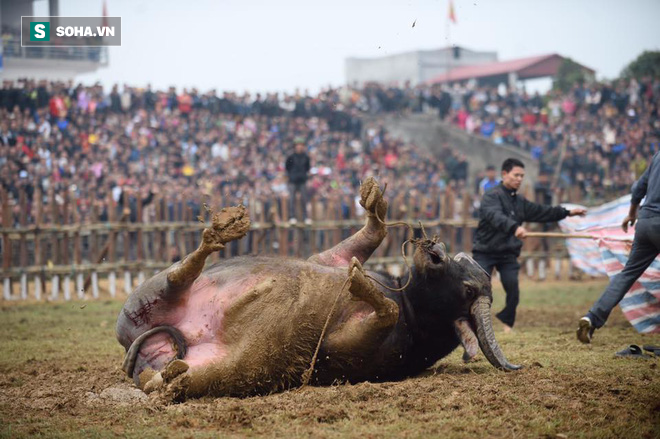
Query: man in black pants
x,y
497,242
645,249
297,168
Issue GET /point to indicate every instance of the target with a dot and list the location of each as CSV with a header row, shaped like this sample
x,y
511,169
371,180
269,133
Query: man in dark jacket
x,y
297,168
497,242
645,249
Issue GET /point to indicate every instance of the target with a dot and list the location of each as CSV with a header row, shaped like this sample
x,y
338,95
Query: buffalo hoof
x,y
359,286
230,224
371,198
174,369
155,383
171,384
176,390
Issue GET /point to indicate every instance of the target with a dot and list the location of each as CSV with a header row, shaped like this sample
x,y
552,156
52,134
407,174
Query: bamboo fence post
x,y
139,253
352,213
557,267
168,215
6,244
268,233
465,217
326,234
423,212
23,254
55,245
65,246
336,216
313,233
112,256
93,235
284,231
168,244
215,204
94,251
180,238
255,212
38,249
451,211
189,242
410,208
77,254
158,233
127,242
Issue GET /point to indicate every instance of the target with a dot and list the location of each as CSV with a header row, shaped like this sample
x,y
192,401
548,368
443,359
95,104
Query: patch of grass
x,y
53,354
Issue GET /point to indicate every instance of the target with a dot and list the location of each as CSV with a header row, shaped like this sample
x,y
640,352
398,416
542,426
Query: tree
x,y
569,74
646,64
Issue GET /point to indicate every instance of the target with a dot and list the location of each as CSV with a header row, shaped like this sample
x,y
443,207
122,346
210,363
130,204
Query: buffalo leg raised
x,y
366,240
355,335
230,224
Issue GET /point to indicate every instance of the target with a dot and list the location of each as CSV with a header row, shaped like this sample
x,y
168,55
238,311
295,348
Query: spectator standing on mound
x,y
645,249
297,169
499,235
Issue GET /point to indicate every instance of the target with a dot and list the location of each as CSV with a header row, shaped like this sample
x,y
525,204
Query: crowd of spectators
x,y
604,133
189,145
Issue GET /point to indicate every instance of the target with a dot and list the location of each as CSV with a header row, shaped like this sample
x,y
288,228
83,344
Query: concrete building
x,y
50,63
414,67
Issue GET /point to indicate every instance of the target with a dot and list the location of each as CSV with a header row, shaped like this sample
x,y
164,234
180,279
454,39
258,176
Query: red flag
x,y
452,14
105,14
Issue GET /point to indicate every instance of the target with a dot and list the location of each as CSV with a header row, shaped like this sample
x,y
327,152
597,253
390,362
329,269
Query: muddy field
x,y
60,376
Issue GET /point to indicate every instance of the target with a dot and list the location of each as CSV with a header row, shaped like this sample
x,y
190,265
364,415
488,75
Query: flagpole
x,y
450,48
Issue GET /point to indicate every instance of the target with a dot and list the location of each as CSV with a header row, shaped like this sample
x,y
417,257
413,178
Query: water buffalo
x,y
250,325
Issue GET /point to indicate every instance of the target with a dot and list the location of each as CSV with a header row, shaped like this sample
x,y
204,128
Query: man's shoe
x,y
293,221
308,222
585,330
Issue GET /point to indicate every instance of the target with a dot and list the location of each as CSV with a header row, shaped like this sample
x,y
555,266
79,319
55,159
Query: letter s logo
x,y
39,31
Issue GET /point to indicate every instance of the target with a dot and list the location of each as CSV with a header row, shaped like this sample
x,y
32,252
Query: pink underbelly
x,y
200,320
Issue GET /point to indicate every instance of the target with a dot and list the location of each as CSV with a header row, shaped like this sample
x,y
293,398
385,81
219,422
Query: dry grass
x,y
53,354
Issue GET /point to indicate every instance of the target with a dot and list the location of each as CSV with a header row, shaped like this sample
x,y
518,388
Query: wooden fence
x,y
62,252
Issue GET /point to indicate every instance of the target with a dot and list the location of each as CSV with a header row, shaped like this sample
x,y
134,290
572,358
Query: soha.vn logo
x,y
39,31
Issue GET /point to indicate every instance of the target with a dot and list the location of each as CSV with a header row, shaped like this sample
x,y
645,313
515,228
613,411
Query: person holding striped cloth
x,y
645,249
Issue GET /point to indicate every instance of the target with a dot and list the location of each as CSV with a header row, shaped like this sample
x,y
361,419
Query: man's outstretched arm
x,y
541,213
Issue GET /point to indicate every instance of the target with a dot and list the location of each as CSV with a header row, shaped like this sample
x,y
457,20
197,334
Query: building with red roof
x,y
508,72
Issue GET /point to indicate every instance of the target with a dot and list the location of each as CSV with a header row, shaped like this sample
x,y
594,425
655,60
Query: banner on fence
x,y
608,254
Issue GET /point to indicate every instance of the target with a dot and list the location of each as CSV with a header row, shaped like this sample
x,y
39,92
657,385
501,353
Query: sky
x,y
263,45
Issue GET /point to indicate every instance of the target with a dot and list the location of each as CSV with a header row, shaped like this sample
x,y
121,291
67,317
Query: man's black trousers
x,y
508,267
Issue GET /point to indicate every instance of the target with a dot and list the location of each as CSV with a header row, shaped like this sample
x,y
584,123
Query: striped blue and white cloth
x,y
608,253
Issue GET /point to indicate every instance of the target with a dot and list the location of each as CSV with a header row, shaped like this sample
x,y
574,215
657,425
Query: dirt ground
x,y
60,376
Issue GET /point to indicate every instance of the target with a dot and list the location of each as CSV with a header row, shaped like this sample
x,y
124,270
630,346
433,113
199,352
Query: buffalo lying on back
x,y
251,325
